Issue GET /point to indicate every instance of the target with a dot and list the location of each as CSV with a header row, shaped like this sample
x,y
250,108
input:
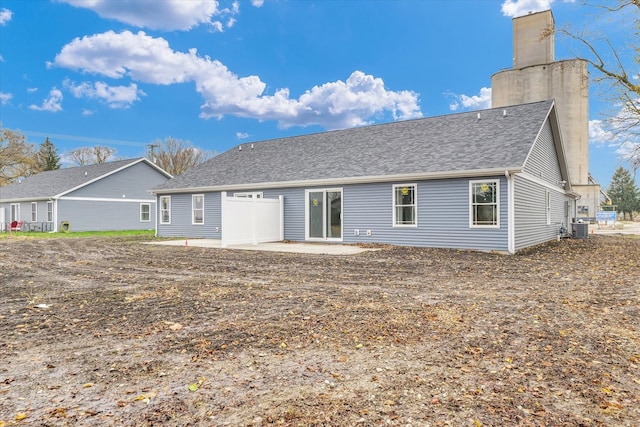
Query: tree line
x,y
20,158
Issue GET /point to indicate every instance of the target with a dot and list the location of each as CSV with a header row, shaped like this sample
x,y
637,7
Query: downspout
x,y
157,213
511,227
55,215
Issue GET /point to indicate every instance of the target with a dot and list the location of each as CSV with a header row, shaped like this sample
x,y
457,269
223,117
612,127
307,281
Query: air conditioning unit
x,y
580,230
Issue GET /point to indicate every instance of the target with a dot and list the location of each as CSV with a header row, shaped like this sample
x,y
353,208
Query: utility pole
x,y
151,150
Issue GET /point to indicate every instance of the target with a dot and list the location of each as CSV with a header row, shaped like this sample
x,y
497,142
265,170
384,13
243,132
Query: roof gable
x,y
499,138
56,183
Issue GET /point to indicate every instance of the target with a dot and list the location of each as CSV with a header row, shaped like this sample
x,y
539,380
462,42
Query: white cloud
x,y
475,102
257,3
5,16
515,8
242,135
5,98
159,15
151,60
52,104
114,96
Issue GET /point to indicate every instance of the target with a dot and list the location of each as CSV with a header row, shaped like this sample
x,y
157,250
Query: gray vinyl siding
x,y
41,223
181,217
542,161
97,215
133,182
442,208
442,216
530,211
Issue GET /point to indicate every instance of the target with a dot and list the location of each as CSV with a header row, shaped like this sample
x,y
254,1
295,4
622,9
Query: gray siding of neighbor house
x,y
442,209
96,215
134,182
181,212
40,224
530,197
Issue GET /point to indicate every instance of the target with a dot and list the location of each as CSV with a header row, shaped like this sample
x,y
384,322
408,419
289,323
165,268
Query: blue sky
x,y
126,73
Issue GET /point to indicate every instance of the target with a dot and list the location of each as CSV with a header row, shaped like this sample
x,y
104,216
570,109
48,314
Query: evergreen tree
x,y
47,158
624,193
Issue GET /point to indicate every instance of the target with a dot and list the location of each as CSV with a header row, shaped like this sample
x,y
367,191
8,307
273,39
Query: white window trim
x,y
161,210
34,212
497,203
149,212
49,211
415,205
193,209
15,207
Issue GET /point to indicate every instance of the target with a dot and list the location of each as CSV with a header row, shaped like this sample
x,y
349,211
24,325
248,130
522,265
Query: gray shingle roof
x,y
49,184
456,142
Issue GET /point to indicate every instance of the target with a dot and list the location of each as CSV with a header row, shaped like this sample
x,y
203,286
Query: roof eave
x,y
346,181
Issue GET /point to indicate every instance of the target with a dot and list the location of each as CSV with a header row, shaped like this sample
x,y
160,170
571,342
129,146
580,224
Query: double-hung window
x,y
165,209
145,212
404,205
34,211
49,211
197,207
484,203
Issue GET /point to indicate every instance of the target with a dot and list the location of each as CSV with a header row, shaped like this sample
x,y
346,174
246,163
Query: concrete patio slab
x,y
290,247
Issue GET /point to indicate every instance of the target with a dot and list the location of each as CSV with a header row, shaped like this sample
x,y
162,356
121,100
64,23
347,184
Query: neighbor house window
x,y
49,211
145,212
34,211
165,210
404,205
197,205
548,206
484,204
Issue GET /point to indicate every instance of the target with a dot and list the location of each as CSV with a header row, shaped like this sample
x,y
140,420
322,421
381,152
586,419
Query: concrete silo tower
x,y
537,76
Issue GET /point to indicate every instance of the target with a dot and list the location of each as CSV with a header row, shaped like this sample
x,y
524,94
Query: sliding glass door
x,y
324,214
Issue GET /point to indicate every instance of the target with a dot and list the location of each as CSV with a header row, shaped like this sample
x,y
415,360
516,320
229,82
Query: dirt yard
x,y
109,331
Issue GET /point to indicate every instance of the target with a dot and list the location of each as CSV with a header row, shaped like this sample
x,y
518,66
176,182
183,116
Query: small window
x,y
34,211
49,211
548,207
165,210
248,195
484,205
145,212
197,204
404,205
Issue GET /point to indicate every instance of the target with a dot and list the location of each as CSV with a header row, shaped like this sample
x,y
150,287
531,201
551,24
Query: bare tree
x,y
176,156
17,157
102,153
612,73
81,156
91,155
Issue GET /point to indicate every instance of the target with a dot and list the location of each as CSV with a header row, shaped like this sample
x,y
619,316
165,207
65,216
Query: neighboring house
x,y
487,180
107,196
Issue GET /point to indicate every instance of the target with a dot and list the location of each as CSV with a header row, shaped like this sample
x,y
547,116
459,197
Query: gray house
x,y
107,196
487,180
